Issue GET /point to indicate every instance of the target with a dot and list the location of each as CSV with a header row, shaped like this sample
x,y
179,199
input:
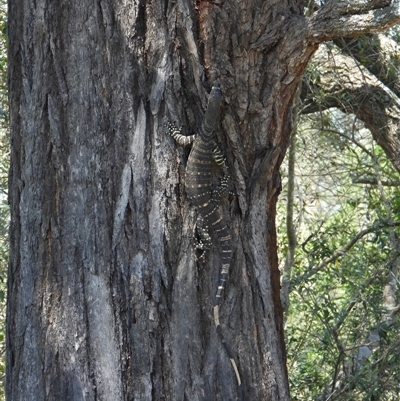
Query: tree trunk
x,y
106,298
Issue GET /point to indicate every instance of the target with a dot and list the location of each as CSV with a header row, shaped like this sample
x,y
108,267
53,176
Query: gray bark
x,y
107,301
378,53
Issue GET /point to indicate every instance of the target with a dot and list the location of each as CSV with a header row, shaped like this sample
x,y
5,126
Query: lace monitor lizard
x,y
201,192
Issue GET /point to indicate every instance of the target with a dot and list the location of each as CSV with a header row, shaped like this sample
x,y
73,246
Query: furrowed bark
x,y
107,301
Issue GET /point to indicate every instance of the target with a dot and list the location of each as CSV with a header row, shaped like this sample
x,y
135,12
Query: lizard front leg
x,y
176,133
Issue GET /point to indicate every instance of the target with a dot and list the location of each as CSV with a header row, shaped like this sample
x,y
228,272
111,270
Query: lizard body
x,y
200,189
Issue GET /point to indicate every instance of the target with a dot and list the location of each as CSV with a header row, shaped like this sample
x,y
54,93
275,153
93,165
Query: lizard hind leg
x,y
223,188
202,242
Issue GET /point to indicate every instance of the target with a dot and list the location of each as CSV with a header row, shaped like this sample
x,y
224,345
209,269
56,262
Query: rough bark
x,y
106,299
349,18
379,54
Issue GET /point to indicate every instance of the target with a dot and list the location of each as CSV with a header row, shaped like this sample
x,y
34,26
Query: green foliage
x,y
347,193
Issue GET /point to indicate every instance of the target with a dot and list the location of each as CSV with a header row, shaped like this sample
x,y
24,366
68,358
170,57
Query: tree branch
x,y
343,83
379,54
290,226
374,181
342,251
351,18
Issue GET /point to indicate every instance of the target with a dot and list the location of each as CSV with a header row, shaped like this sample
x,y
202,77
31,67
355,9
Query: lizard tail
x,y
221,336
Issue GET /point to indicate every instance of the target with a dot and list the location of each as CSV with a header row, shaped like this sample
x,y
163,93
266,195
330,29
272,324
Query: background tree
x,y
106,298
342,324
343,279
344,82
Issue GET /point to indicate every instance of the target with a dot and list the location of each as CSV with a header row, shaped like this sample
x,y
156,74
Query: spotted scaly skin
x,y
201,192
